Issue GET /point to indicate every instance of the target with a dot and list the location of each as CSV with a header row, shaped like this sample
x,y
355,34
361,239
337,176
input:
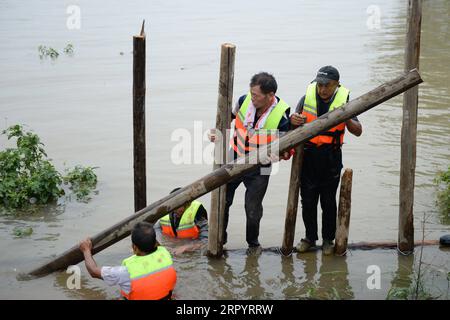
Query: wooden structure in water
x,y
227,172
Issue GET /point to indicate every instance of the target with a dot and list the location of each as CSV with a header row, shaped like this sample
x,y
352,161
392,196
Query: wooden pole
x,y
233,169
345,204
292,203
140,184
409,133
223,120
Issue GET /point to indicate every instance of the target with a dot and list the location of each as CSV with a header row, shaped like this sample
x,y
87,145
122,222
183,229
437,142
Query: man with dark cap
x,y
322,162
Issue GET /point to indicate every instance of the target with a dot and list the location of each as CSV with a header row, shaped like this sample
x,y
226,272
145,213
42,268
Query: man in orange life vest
x,y
322,162
187,222
147,275
259,117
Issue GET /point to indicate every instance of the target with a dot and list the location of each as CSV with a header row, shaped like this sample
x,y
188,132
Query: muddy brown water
x,y
80,106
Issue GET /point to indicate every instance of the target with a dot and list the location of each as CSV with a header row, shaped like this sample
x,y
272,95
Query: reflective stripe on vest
x,y
187,228
153,276
335,134
245,140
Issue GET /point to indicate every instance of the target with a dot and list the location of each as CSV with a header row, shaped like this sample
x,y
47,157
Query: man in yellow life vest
x,y
147,275
322,162
260,116
187,222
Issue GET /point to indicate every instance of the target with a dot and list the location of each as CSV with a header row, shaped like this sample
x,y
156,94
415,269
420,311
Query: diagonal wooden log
x,y
233,169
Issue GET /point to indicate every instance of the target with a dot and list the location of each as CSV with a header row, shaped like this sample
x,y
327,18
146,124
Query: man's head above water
x,y
143,238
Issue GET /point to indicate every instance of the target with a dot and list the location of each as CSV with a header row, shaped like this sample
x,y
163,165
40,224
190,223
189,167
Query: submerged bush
x,y
45,51
82,181
28,177
443,195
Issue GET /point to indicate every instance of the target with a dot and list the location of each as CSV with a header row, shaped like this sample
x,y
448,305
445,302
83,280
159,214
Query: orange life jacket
x,y
187,228
245,139
336,134
153,276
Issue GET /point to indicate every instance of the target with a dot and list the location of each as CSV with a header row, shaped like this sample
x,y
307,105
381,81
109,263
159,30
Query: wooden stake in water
x,y
345,205
409,133
139,159
223,120
292,203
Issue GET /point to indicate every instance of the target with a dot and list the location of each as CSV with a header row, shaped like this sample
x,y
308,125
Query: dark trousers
x,y
256,186
320,176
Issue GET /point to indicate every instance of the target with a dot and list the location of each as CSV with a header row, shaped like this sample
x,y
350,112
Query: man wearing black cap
x,y
322,162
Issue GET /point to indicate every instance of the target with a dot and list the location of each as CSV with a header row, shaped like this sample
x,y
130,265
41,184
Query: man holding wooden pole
x,y
322,162
259,118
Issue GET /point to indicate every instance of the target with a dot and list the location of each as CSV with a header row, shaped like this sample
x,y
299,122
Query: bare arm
x,y
354,127
91,265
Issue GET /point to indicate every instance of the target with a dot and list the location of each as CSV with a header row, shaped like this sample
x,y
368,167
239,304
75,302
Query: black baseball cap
x,y
327,73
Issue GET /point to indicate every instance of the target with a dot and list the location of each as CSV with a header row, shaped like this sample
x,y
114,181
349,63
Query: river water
x,y
81,107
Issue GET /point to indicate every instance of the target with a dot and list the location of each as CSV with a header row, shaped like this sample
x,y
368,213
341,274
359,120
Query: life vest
x,y
246,140
336,134
153,276
187,228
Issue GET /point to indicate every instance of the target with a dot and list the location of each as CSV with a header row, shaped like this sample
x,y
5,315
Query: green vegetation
x,y
22,232
442,181
68,49
27,177
417,291
82,181
45,52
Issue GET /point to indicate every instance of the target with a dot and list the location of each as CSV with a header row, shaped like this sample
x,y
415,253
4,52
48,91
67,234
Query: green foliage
x,y
396,293
82,181
442,180
27,177
417,291
22,232
68,49
45,52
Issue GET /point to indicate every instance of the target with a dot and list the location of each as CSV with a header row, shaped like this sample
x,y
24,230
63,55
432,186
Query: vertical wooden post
x,y
292,203
223,120
345,204
140,185
409,132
